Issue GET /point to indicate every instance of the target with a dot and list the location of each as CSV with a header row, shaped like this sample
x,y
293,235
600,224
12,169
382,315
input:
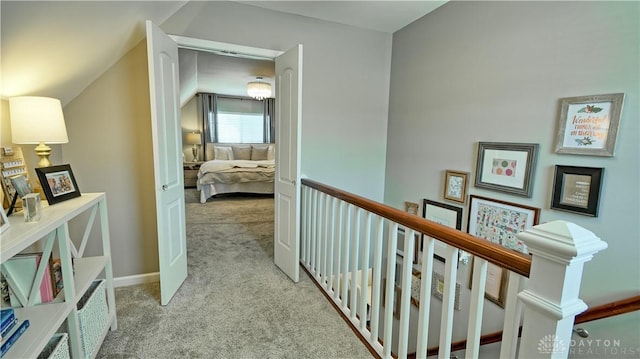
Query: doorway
x,y
163,57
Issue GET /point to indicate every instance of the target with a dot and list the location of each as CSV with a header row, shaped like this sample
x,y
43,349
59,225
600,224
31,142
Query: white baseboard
x,y
136,279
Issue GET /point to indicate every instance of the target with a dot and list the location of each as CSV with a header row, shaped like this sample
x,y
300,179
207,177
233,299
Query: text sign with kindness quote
x,y
587,125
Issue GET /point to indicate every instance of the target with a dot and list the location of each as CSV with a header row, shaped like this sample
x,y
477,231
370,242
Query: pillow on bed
x,y
222,153
242,152
259,153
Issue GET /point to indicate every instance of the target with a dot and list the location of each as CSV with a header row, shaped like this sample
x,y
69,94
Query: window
x,y
239,120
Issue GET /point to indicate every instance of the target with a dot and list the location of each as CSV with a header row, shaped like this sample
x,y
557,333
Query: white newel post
x,y
559,250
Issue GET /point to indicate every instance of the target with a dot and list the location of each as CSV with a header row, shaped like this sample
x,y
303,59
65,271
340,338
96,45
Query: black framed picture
x,y
58,183
577,189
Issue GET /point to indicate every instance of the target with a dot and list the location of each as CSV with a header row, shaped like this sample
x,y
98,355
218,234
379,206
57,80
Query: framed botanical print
x,y
455,186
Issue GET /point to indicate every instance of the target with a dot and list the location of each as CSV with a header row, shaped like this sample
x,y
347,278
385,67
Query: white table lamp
x,y
37,120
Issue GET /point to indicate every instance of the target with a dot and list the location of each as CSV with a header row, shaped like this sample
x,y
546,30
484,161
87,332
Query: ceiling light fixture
x,y
259,89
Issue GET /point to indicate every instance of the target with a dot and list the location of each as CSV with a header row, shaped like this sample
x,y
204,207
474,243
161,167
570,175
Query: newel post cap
x,y
562,240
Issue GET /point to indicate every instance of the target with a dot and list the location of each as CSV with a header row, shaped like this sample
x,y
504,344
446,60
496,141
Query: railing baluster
x,y
330,250
425,296
345,256
316,260
314,233
390,289
512,315
320,231
407,272
376,280
355,249
323,240
306,230
364,275
337,248
448,302
476,307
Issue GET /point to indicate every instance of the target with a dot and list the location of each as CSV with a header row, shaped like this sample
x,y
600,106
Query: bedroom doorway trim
x,y
287,192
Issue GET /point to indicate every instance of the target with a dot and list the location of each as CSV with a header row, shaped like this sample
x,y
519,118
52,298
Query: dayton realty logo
x,y
551,344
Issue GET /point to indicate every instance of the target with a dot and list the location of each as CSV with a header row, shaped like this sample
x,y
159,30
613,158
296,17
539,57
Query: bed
x,y
237,169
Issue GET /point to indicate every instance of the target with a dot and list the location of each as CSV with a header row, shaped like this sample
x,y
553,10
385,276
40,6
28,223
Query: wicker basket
x,y
93,315
57,348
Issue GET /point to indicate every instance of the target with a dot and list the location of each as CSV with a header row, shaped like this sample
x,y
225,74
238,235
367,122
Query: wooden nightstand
x,y
190,173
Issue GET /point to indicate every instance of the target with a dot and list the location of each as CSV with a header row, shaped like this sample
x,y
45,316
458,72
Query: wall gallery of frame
x,y
586,126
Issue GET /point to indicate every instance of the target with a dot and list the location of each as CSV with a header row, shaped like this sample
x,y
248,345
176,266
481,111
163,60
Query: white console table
x,y
46,319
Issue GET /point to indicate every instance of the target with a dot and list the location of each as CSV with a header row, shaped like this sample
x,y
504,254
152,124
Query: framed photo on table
x,y
498,222
455,186
506,167
588,125
58,183
577,189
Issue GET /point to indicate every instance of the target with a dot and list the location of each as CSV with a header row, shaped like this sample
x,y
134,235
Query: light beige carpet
x,y
235,302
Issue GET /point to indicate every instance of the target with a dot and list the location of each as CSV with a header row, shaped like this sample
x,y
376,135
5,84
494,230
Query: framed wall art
x,y
411,207
499,222
577,189
455,185
445,214
588,125
506,167
58,183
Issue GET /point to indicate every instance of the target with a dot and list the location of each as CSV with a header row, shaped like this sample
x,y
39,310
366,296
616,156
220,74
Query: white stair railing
x,y
346,250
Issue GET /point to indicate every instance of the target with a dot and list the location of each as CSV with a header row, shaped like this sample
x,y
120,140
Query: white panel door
x,y
162,53
287,185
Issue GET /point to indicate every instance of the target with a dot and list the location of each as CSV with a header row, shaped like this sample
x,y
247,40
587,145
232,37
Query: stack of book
x,y
11,328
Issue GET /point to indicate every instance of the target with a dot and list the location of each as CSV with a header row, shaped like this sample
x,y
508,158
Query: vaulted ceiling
x,y
58,48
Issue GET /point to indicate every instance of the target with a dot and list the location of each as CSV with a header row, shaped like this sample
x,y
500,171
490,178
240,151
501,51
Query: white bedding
x,y
229,176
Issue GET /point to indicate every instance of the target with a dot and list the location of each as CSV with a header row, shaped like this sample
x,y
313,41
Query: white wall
x,y
495,71
345,85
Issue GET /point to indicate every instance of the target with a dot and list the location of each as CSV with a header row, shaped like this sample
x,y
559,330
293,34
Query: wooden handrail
x,y
609,310
506,258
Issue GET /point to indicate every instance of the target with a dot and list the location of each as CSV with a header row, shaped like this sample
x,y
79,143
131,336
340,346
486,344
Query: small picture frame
x,y
506,167
4,221
411,207
588,125
455,186
58,183
21,185
577,189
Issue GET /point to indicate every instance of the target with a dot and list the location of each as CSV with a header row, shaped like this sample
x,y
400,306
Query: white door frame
x,y
239,51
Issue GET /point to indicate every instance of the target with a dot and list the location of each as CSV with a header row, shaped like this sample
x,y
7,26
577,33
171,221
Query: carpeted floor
x,y
235,302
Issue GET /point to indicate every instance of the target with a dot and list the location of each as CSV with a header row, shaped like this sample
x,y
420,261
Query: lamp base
x,y
194,151
43,151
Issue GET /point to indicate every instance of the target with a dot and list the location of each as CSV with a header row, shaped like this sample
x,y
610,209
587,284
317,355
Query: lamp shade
x,y
193,138
37,120
259,89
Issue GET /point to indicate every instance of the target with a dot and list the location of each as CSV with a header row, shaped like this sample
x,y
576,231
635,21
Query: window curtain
x,y
211,103
207,112
269,120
